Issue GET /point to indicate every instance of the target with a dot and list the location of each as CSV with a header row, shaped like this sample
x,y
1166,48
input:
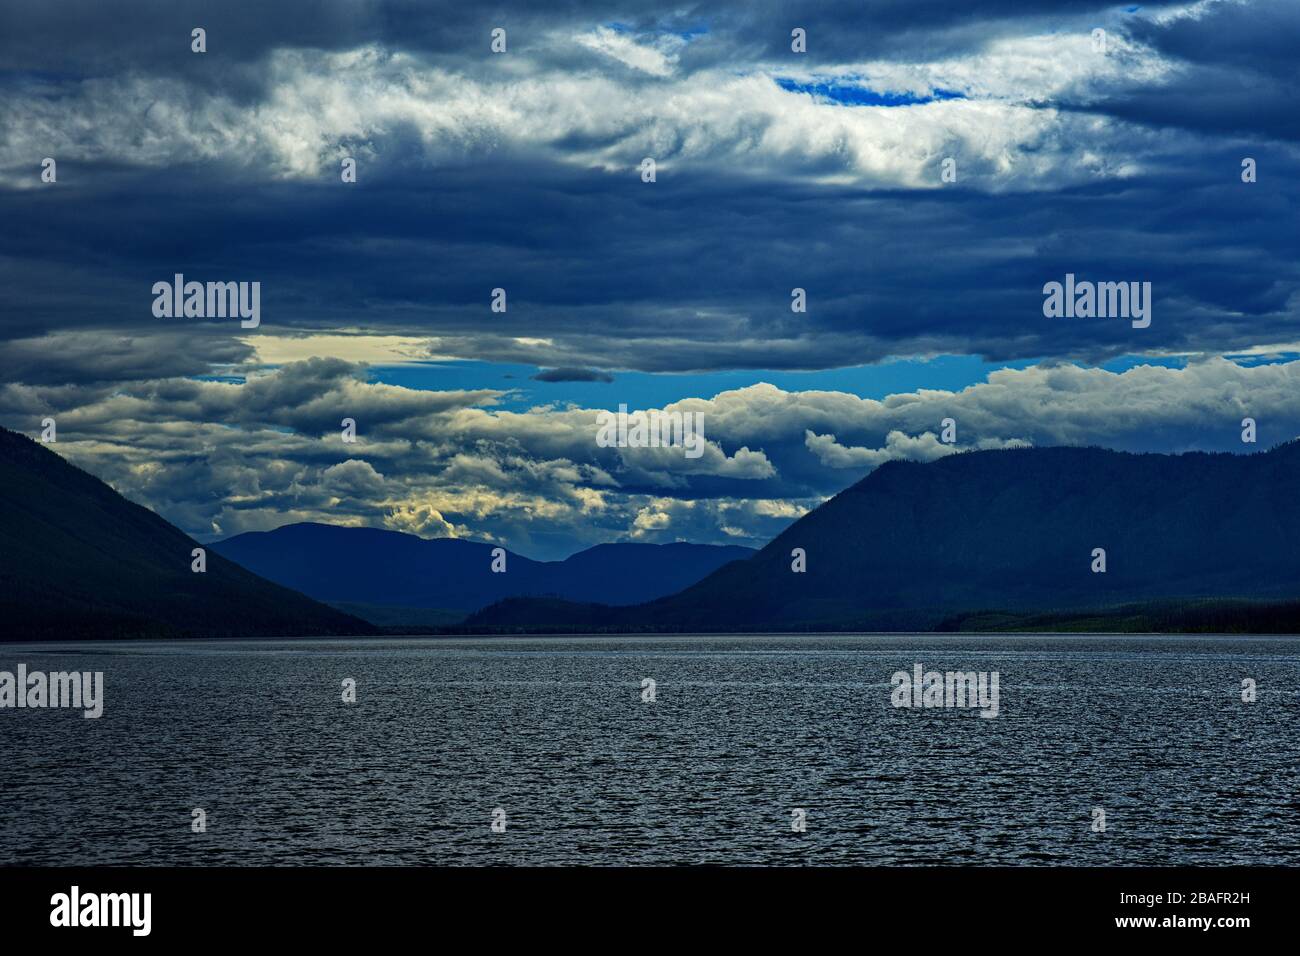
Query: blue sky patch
x,y
852,94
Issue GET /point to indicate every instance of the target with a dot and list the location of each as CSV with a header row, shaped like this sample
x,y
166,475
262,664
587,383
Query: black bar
x,y
657,908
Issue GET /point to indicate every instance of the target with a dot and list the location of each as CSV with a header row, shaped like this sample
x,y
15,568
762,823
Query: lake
x,y
552,736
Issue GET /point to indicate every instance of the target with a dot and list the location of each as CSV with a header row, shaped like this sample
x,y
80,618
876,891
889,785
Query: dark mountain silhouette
x,y
372,566
394,619
79,561
923,546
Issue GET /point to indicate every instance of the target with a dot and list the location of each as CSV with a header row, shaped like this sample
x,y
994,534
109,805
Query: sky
x,y
1113,156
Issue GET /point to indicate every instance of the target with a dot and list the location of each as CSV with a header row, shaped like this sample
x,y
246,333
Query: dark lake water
x,y
743,731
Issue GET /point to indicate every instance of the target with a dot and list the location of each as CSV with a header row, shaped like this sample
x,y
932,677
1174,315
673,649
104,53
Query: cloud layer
x,y
1114,156
219,458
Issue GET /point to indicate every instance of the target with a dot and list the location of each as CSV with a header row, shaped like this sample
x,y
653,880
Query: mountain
x,y
917,546
372,566
394,619
79,561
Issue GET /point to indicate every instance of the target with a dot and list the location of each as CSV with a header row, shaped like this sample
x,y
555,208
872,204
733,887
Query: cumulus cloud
x,y
924,447
444,464
352,478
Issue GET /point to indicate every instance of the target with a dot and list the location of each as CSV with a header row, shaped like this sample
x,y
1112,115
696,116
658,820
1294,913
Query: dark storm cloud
x,y
1236,72
1258,36
75,38
92,358
691,273
846,31
572,375
85,38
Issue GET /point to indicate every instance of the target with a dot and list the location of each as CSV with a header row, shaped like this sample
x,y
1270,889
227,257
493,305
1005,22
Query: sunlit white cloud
x,y
322,105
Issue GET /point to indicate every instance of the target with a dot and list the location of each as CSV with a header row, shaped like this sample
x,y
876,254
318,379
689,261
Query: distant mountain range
x,y
995,540
370,569
79,561
1000,539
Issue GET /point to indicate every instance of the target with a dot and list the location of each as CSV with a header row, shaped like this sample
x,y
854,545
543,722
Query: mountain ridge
x,y
383,567
915,544
80,561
